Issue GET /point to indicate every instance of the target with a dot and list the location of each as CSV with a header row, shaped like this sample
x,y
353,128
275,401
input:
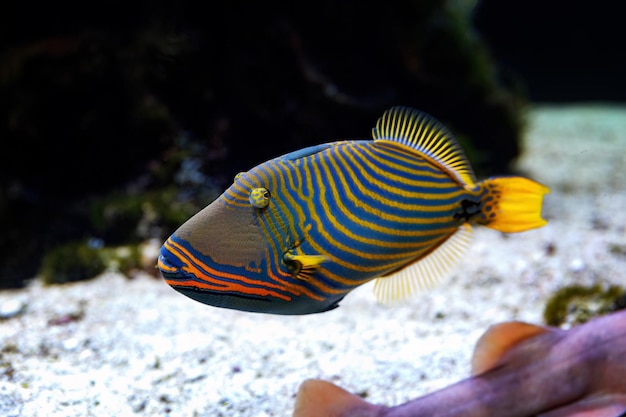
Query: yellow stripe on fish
x,y
295,234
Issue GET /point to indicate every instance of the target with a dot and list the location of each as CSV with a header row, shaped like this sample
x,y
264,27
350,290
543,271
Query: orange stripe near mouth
x,y
211,278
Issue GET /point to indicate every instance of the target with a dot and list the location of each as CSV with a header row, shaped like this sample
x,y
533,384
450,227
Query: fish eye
x,y
260,197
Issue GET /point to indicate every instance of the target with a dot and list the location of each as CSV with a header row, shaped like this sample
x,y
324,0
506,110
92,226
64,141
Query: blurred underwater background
x,y
120,120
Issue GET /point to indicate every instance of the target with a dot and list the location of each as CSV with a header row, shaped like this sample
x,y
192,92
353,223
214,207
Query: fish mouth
x,y
168,265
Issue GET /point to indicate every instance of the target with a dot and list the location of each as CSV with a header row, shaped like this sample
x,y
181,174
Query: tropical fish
x,y
295,234
519,370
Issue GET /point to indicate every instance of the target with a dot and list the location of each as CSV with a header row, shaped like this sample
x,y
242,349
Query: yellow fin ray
x,y
513,204
424,272
303,265
426,135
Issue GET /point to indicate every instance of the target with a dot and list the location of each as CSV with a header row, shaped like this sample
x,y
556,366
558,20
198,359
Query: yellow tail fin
x,y
513,204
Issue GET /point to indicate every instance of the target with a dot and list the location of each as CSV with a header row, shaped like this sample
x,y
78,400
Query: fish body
x,y
295,234
519,370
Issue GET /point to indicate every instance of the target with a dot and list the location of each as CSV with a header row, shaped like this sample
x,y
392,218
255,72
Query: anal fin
x,y
426,271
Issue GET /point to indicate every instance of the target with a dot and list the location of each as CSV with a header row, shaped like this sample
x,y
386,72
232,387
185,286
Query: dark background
x,y
119,119
564,51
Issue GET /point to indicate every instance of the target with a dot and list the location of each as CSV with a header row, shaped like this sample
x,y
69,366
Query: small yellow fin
x,y
317,398
426,135
498,340
424,272
513,204
303,265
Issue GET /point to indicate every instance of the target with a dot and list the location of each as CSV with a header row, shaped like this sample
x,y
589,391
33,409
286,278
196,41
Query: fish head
x,y
237,253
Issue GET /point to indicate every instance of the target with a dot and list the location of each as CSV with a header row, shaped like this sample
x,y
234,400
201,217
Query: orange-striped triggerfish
x,y
295,234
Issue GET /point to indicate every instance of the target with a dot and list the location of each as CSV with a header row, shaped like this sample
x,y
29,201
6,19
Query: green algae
x,y
577,304
82,260
74,261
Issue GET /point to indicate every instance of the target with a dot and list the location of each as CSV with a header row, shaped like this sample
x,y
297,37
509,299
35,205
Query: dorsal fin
x,y
426,135
498,340
424,272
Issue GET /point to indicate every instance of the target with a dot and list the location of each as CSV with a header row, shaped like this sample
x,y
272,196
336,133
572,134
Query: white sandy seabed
x,y
115,346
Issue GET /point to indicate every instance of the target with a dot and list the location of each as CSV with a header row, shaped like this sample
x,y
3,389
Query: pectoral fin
x,y
302,266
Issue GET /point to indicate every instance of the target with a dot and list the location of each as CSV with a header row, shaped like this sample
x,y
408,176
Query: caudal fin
x,y
512,204
317,398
